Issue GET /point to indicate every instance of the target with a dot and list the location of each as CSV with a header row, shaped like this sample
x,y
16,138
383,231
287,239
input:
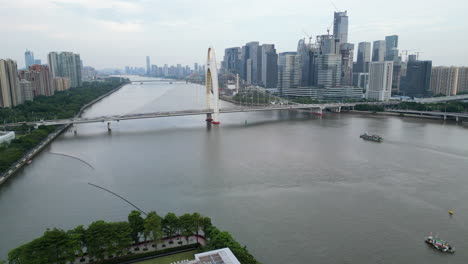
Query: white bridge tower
x,y
212,86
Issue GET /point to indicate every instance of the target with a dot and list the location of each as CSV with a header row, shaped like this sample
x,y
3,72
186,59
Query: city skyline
x,y
162,31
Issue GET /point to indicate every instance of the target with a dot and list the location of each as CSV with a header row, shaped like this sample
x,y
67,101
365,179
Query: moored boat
x,y
439,244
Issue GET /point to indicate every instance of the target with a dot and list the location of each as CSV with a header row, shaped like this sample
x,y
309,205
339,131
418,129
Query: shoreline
x,y
19,164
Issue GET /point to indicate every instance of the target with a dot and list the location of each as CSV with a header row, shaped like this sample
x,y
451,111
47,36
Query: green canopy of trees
x,y
10,153
61,105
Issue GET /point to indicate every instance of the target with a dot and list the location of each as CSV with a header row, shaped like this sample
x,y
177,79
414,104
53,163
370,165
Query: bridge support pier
x,y
457,118
109,126
209,117
74,129
318,111
445,117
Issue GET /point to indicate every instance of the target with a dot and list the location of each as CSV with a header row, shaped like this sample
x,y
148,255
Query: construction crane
x,y
406,53
417,54
333,4
309,36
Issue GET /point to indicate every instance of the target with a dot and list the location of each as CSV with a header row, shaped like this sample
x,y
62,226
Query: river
x,y
295,188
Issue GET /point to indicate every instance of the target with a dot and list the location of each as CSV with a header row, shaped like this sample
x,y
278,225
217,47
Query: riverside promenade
x,y
149,246
44,143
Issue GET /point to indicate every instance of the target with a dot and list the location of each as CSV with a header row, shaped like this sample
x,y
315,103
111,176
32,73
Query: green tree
x,y
96,237
220,239
187,226
153,227
197,223
122,239
205,224
170,225
136,224
77,235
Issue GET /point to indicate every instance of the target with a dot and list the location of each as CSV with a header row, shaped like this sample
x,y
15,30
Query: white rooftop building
x,y
6,136
219,256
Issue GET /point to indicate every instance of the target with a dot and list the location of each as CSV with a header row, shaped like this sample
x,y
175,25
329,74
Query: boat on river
x,y
439,244
372,137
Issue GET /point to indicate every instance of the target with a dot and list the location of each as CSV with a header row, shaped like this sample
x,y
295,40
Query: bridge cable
x,y
111,192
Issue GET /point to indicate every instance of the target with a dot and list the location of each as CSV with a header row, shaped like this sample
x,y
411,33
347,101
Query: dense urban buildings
x,y
40,78
66,64
380,81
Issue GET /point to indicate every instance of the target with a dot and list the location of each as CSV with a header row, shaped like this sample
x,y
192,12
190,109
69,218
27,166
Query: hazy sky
x,y
115,33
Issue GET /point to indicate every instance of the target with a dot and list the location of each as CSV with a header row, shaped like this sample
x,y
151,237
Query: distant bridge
x,y
443,115
314,108
441,99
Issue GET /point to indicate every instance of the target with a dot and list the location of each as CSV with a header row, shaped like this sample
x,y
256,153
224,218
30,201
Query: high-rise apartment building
x,y
66,64
378,51
363,57
148,65
380,81
37,61
417,82
26,88
269,68
40,78
232,60
28,58
462,80
444,80
289,72
61,84
10,91
391,48
340,27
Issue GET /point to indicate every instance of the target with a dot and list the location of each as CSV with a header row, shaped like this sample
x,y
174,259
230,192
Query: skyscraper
x,y
53,59
10,90
66,64
363,57
252,51
232,60
340,26
28,58
391,48
269,68
308,56
417,82
289,72
347,54
328,69
380,81
378,51
148,65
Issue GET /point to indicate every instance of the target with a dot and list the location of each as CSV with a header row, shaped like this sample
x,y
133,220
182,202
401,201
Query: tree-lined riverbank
x,y
114,242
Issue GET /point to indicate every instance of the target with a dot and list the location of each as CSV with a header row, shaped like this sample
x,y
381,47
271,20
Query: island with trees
x,y
115,242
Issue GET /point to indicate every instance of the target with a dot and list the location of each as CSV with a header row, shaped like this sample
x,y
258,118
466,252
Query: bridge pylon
x,y
212,86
